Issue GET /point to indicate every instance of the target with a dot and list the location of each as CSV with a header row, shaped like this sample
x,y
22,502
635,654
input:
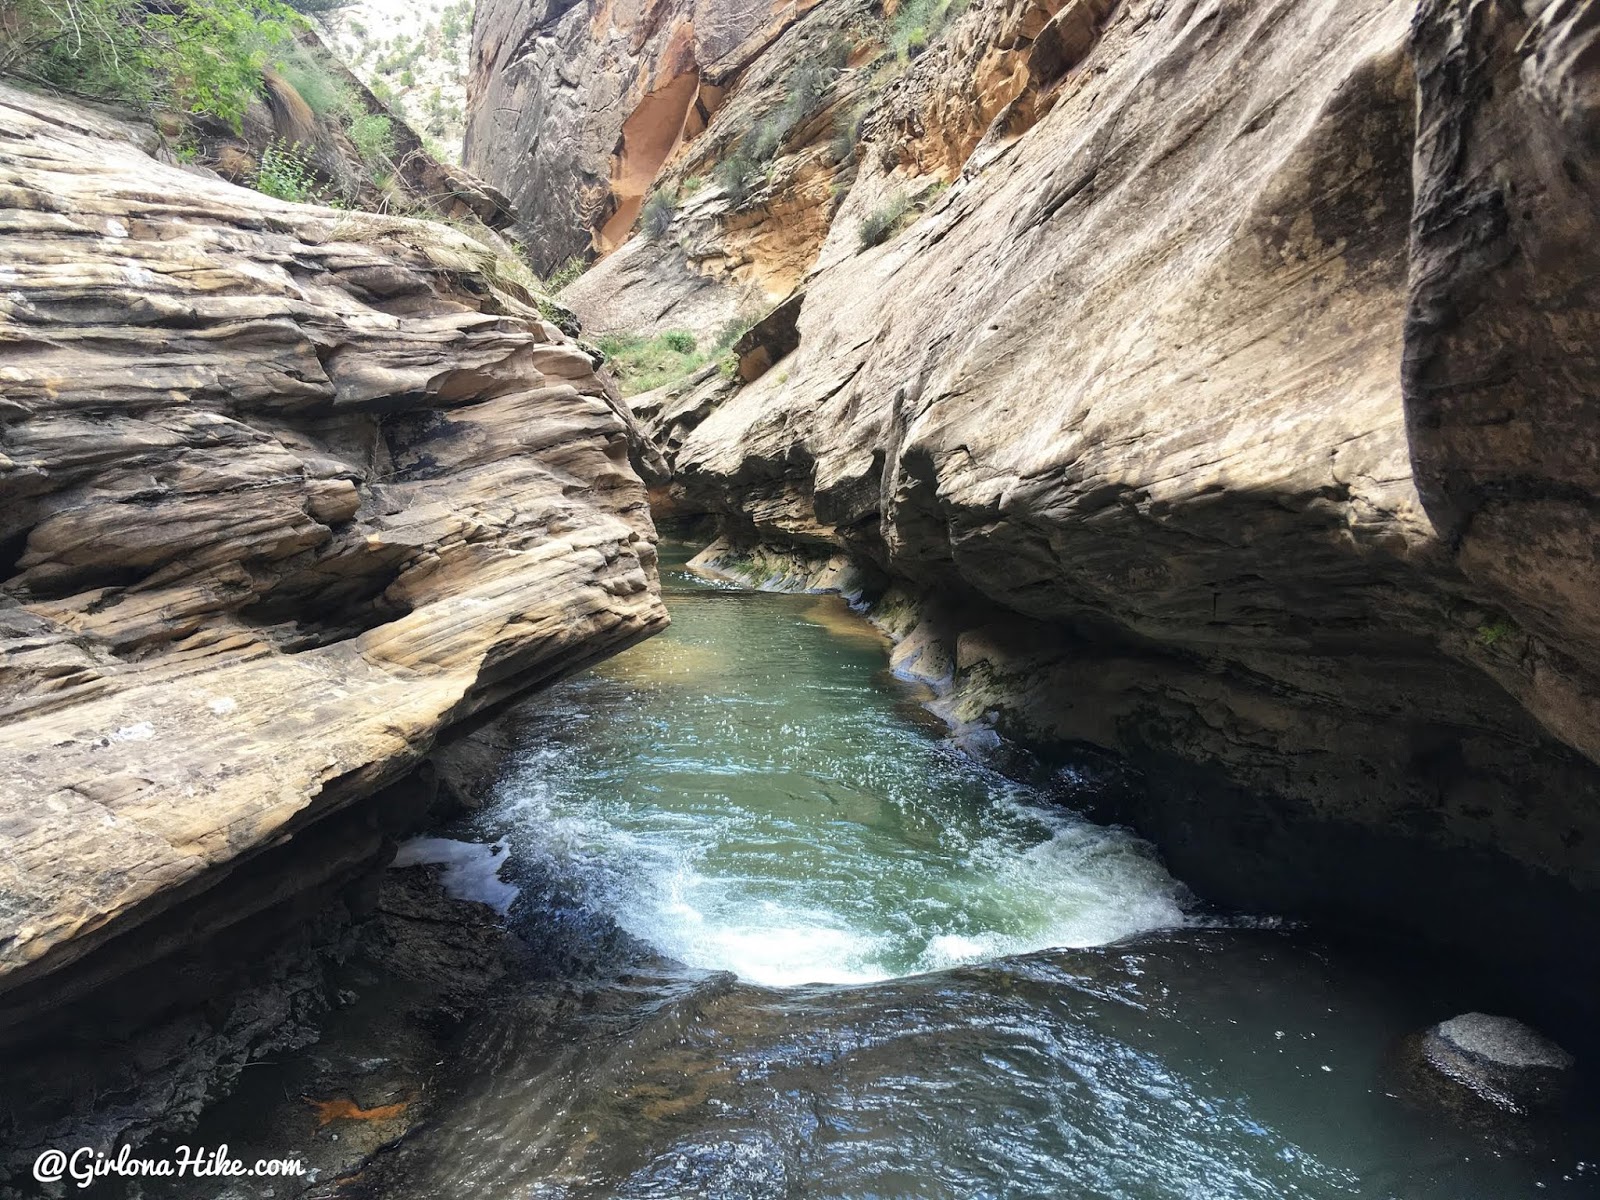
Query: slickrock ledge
x,y
284,492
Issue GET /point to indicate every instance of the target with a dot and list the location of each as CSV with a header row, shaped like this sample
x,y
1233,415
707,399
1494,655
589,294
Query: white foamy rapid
x,y
747,793
471,869
721,893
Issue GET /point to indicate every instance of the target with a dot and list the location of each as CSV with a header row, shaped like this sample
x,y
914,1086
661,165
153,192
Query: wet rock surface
x,y
286,492
1501,1059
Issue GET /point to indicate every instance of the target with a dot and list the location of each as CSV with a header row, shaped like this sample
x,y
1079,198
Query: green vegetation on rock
x,y
882,222
656,217
372,134
205,56
285,172
642,364
805,90
1491,633
566,273
916,23
324,93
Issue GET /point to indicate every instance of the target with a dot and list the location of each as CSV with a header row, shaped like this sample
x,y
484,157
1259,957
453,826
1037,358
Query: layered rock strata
x,y
286,492
575,109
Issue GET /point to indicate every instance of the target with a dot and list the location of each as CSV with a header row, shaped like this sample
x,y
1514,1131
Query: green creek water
x,y
795,945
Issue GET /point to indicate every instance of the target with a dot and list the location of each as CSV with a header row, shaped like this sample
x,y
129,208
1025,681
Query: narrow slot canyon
x,y
848,599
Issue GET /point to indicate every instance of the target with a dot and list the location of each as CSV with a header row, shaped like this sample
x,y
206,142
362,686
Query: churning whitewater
x,y
790,820
753,796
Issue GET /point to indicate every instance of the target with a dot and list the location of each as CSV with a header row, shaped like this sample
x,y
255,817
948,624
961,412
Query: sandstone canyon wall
x,y
287,492
1225,398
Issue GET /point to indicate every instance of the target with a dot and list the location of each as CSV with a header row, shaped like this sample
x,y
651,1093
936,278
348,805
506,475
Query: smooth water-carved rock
x,y
286,491
1500,1059
1246,461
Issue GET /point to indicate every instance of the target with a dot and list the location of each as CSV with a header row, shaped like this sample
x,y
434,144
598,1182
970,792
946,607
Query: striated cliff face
x,y
286,492
1225,398
574,108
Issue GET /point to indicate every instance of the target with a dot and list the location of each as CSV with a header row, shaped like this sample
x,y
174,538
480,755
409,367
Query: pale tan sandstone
x,y
286,491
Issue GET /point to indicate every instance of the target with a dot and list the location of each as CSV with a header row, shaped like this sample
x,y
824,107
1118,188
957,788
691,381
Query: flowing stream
x,y
795,945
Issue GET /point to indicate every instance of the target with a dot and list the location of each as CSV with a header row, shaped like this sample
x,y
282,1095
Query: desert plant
x,y
807,84
285,172
878,225
918,22
642,364
846,135
566,273
1498,630
455,22
656,216
736,176
372,134
762,142
326,95
205,56
805,88
836,51
722,348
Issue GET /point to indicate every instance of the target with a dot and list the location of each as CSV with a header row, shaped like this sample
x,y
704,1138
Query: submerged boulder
x,y
1501,1059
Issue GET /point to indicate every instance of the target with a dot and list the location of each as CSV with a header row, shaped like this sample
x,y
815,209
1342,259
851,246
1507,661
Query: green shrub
x,y
918,22
326,95
656,216
1498,630
285,172
372,134
642,364
846,135
880,224
805,88
205,56
722,348
566,273
762,142
456,21
736,176
836,53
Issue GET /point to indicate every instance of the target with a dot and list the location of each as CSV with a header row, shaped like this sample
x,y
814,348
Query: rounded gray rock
x,y
1500,1059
